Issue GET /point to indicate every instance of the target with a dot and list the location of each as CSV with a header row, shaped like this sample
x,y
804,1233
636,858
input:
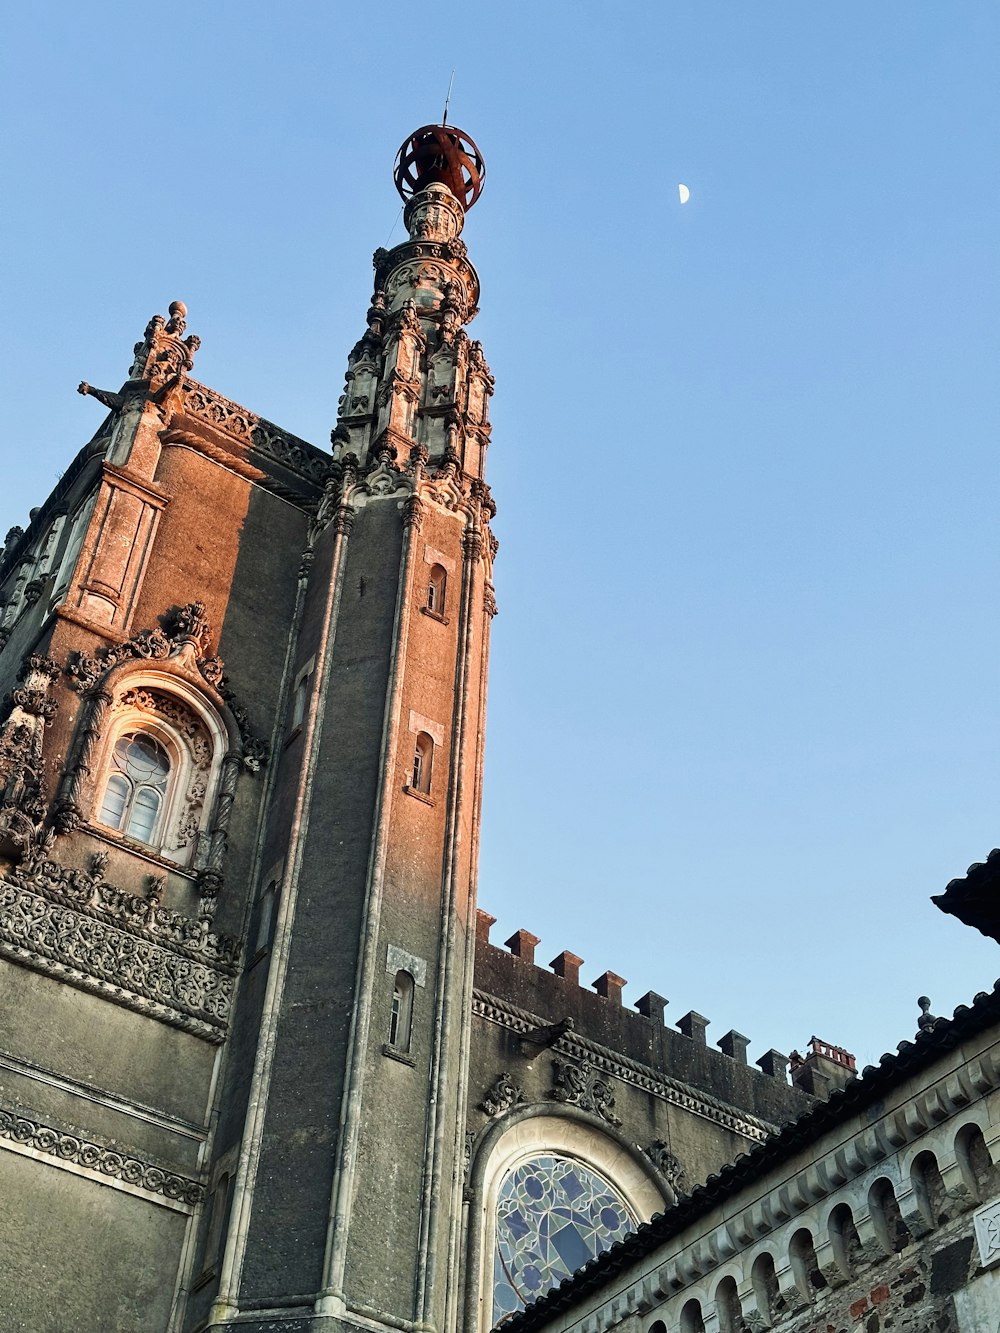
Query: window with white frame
x,y
159,769
136,785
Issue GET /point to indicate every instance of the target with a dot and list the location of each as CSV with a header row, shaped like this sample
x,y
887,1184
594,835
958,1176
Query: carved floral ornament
x,y
584,1086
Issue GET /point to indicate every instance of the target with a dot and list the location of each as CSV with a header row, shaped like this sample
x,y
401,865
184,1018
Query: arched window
x,y
765,1287
437,583
845,1240
136,786
553,1214
805,1265
423,758
401,1012
929,1189
159,768
892,1232
727,1305
975,1162
692,1320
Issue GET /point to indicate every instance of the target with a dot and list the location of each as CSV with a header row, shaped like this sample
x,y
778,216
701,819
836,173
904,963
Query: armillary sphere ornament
x,y
440,154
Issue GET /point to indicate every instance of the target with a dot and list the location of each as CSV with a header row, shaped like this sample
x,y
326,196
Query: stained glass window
x,y
553,1215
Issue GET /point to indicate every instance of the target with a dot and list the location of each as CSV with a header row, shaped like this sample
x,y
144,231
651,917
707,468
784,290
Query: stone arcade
x,y
260,1065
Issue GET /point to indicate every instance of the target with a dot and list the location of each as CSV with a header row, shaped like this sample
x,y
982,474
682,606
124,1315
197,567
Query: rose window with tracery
x,y
553,1215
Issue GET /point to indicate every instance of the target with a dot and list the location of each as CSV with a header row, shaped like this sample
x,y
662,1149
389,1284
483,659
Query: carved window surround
x,y
99,1162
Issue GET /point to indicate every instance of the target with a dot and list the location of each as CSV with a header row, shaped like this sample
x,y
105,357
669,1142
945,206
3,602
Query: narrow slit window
x,y
300,698
401,1013
437,582
423,757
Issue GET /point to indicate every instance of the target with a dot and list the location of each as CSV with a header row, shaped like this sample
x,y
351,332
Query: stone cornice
x,y
643,1076
98,1162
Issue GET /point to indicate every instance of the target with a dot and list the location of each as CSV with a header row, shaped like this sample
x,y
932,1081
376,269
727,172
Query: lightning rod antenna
x,y
444,118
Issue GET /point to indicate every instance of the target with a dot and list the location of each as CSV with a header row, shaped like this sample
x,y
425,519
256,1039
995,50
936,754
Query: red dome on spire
x,y
440,154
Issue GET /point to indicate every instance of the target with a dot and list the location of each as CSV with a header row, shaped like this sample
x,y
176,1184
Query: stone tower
x,y
346,1100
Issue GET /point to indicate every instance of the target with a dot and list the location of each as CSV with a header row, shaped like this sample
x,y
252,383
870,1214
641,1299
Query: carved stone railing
x,y
72,926
279,445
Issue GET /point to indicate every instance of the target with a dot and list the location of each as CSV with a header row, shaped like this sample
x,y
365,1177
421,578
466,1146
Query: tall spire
x,y
415,380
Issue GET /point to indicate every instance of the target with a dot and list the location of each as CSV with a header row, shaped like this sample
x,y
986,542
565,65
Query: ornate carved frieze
x,y
504,1094
68,1150
70,924
582,1085
297,455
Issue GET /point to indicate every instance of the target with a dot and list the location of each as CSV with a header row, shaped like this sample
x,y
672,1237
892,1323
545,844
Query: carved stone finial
x,y
926,1019
177,322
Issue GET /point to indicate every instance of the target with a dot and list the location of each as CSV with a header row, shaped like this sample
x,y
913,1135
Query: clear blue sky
x,y
744,712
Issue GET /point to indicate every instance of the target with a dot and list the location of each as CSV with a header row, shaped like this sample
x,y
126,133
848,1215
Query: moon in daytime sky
x,y
684,193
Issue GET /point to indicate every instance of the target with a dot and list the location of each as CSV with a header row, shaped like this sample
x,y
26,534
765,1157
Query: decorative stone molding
x,y
832,1175
987,1224
581,1085
160,366
71,925
109,1165
278,445
504,1094
22,794
651,1080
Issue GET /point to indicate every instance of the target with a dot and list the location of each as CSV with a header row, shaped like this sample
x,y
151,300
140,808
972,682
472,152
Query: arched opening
x,y
727,1305
401,1012
765,1287
975,1162
437,585
692,1320
805,1266
928,1188
521,1136
553,1215
657,1326
890,1229
845,1240
423,762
